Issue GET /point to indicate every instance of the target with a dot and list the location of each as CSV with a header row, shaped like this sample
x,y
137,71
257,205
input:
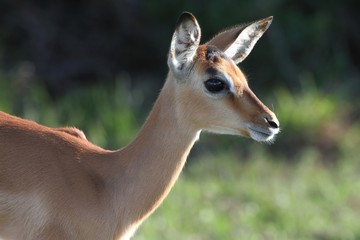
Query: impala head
x,y
209,89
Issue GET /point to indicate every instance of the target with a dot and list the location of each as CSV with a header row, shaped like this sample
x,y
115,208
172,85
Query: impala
x,y
54,184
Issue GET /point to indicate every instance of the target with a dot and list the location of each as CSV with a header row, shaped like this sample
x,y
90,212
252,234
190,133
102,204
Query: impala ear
x,y
237,42
184,44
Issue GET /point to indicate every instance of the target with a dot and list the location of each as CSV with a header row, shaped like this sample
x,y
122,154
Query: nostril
x,y
272,123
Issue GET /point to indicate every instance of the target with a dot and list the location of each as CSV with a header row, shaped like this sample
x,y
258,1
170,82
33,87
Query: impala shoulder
x,y
72,131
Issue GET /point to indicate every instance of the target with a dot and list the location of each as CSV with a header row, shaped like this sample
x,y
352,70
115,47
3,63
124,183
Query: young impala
x,y
54,184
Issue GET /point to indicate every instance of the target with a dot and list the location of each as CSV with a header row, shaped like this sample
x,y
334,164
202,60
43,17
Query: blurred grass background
x,y
99,65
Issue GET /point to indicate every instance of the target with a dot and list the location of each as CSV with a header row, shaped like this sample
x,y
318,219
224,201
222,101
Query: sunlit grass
x,y
309,108
222,198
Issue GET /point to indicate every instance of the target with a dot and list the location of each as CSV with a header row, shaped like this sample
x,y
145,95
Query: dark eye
x,y
214,85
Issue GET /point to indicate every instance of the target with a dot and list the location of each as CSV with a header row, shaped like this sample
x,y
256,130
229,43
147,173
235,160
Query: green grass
x,y
220,197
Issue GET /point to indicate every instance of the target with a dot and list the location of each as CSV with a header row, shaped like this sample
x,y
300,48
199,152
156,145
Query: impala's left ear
x,y
237,42
184,44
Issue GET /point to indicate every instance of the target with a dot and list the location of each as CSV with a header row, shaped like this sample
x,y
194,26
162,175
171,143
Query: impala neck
x,y
155,158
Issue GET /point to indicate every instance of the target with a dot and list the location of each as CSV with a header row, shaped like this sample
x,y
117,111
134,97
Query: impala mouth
x,y
262,134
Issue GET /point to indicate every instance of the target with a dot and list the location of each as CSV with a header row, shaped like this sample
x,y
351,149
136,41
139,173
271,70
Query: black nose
x,y
272,123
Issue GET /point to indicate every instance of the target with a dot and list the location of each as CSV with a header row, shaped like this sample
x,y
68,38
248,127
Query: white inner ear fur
x,y
245,42
184,44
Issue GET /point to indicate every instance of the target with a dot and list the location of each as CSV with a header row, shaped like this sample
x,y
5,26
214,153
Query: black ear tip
x,y
185,16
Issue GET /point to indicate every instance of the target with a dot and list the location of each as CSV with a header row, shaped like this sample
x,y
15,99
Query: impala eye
x,y
214,85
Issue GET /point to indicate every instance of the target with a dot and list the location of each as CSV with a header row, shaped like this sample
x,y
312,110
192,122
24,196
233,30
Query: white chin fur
x,y
257,134
261,136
